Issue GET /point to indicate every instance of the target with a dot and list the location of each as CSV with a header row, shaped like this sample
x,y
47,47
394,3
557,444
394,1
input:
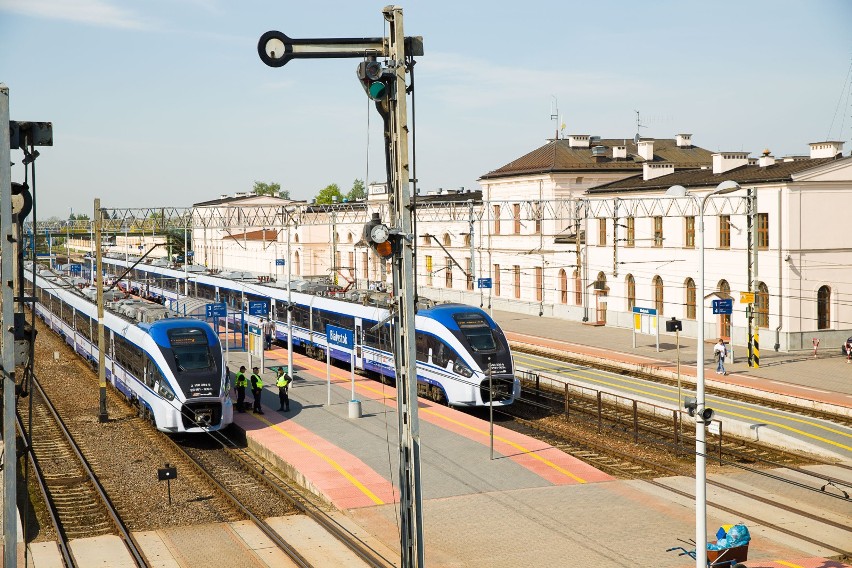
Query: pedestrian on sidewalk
x,y
848,350
256,389
816,346
240,384
283,383
720,351
268,328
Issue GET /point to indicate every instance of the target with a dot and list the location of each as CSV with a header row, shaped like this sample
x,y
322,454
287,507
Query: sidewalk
x,y
825,380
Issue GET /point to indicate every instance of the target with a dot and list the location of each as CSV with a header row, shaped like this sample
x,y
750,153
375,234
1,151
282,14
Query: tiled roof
x,y
780,171
557,156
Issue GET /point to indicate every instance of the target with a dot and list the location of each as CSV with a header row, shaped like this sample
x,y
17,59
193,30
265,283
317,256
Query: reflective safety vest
x,y
283,381
241,380
256,381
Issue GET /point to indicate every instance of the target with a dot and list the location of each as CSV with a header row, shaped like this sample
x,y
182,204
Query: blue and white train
x,y
456,344
172,369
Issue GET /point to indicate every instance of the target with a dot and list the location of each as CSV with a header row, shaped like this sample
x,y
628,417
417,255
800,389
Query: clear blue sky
x,y
165,102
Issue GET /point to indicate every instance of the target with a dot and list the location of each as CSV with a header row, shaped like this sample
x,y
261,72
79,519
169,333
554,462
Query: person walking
x,y
283,382
720,351
256,389
240,384
268,333
848,350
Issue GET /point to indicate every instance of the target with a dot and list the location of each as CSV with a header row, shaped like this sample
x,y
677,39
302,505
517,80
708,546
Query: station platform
x,y
824,381
531,505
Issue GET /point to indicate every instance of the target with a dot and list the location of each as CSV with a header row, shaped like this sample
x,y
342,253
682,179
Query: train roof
x,y
159,329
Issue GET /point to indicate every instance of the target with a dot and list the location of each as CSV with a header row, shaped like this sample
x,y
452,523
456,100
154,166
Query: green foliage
x,y
358,190
327,193
262,188
78,217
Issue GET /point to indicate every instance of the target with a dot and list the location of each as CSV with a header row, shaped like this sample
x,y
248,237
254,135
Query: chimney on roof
x,y
599,153
651,170
646,149
766,159
241,194
828,149
619,152
223,196
726,161
578,140
684,140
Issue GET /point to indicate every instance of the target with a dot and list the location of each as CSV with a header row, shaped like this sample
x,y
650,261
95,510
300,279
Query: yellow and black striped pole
x,y
755,352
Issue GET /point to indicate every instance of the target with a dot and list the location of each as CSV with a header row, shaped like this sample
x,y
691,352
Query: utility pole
x,y
385,83
103,416
472,266
751,224
10,458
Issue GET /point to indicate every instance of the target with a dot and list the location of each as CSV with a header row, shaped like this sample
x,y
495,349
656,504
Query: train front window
x,y
191,350
477,332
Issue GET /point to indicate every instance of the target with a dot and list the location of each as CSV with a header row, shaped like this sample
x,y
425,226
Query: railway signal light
x,y
375,79
379,237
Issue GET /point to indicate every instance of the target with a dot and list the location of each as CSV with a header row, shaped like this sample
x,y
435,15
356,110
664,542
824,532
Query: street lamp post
x,y
289,264
700,433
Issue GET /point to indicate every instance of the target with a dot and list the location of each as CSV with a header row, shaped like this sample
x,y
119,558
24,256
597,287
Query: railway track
x,y
614,451
730,394
77,502
251,483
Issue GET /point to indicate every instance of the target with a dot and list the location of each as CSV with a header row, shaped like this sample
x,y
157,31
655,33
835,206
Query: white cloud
x,y
94,12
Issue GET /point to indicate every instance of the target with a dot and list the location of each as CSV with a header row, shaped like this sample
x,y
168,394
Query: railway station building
x,y
581,228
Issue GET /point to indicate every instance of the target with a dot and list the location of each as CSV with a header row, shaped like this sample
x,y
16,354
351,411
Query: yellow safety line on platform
x,y
790,564
514,445
327,459
519,447
719,404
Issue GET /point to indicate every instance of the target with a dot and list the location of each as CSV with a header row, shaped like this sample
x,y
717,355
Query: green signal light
x,y
378,90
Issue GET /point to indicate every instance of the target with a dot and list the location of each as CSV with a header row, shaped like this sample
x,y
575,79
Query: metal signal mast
x,y
384,82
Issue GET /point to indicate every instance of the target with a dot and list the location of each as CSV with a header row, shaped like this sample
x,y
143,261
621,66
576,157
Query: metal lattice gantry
x,y
153,220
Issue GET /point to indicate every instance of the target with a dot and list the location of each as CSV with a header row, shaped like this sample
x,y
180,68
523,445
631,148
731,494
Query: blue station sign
x,y
723,306
75,269
258,309
647,311
216,310
279,262
483,283
339,336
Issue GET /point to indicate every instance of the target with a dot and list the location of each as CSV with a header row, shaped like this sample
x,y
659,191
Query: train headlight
x,y
166,392
461,369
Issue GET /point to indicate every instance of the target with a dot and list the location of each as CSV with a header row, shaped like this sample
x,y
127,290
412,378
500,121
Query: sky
x,y
166,102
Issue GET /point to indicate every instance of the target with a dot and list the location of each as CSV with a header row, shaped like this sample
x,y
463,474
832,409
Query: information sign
x,y
219,310
339,336
75,268
746,297
483,283
279,262
258,309
723,306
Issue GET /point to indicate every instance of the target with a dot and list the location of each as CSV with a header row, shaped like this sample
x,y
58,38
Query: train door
x,y
359,338
115,379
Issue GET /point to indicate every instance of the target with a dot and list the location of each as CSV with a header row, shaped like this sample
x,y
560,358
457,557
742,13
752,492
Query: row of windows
x,y
534,215
689,231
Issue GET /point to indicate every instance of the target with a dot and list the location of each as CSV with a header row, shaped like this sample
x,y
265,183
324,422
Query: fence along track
x,y
77,502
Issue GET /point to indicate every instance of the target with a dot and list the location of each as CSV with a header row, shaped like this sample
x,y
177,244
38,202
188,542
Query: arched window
x,y
761,305
600,282
691,298
723,287
563,286
447,240
427,239
297,266
658,295
467,240
296,237
578,288
631,292
349,237
824,307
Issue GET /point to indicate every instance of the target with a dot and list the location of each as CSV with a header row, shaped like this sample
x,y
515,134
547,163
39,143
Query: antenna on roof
x,y
554,114
638,126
